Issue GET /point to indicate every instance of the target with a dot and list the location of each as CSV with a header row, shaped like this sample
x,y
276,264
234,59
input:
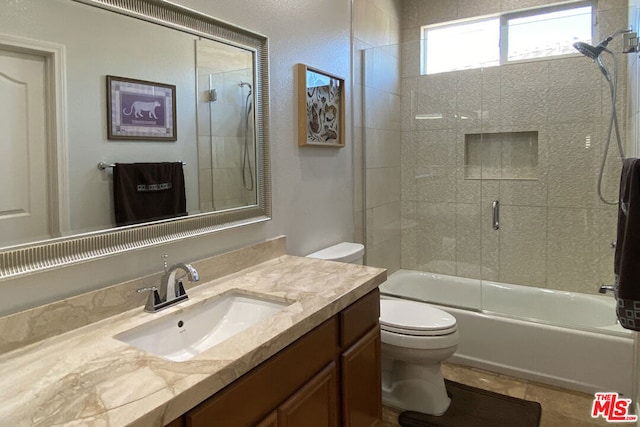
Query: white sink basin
x,y
182,335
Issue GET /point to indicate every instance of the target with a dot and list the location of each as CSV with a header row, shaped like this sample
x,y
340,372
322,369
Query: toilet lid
x,y
415,318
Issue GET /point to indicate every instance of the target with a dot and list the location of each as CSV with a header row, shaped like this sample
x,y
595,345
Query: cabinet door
x,y
248,400
270,421
361,382
314,405
178,422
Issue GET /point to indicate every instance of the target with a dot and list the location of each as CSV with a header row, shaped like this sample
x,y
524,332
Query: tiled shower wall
x,y
376,121
554,231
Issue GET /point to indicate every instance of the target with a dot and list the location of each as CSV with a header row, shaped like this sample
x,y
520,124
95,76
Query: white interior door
x,y
24,197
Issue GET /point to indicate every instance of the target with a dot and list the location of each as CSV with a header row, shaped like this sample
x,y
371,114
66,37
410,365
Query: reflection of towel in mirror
x,y
627,258
148,191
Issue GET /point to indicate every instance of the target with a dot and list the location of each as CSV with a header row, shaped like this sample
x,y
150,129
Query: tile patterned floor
x,y
560,407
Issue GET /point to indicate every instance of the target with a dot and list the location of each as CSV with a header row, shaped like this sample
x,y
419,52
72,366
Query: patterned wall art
x,y
320,108
140,110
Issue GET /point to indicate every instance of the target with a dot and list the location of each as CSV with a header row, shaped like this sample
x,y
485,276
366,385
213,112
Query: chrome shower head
x,y
589,51
242,84
594,52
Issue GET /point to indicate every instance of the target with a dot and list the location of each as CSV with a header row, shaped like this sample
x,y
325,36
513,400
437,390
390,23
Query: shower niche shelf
x,y
504,155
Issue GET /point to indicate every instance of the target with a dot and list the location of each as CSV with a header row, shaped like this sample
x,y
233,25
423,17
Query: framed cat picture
x,y
140,110
320,108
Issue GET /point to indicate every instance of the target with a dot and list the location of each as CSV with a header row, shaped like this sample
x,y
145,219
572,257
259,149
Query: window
x,y
460,46
535,33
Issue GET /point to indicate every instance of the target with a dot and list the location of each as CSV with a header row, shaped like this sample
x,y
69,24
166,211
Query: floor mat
x,y
471,406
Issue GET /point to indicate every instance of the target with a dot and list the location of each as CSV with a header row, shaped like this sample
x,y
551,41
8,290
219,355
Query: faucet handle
x,y
180,292
153,300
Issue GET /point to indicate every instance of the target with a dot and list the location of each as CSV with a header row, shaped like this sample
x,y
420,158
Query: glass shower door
x,y
543,134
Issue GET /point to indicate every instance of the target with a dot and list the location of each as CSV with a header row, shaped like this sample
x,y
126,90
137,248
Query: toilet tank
x,y
343,252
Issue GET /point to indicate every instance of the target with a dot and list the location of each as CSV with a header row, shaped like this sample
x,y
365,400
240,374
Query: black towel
x,y
627,258
148,192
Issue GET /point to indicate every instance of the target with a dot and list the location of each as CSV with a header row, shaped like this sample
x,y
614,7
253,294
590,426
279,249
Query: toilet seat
x,y
439,342
415,319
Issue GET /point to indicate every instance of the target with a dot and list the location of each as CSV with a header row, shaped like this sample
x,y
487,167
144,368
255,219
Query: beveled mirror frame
x,y
59,252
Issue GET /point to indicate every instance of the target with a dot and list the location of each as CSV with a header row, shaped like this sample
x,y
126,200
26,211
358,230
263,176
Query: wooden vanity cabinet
x,y
328,377
361,372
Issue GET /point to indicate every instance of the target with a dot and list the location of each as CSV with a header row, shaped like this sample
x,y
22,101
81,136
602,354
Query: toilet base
x,y
417,388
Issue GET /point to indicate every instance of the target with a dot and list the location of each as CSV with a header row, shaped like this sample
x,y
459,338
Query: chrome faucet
x,y
168,289
171,290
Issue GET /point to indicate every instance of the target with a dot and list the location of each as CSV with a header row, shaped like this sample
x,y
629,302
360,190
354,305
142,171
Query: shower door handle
x,y
496,214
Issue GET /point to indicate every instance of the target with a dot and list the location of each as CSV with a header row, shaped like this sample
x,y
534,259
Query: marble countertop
x,y
87,377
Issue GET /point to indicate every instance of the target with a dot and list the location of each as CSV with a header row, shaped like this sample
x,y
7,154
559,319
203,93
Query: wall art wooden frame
x,y
321,108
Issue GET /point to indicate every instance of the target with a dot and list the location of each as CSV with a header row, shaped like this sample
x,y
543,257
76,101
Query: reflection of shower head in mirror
x,y
242,84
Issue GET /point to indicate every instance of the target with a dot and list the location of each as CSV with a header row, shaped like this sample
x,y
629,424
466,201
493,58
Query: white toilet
x,y
352,253
416,338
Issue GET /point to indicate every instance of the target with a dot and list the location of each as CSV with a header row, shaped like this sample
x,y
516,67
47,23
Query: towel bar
x,y
102,165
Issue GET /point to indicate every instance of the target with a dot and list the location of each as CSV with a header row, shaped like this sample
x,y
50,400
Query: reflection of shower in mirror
x,y
247,181
226,123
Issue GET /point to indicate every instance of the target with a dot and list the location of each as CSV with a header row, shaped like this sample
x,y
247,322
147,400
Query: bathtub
x,y
565,339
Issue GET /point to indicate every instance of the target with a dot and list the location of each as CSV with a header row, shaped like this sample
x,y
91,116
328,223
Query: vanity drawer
x,y
358,319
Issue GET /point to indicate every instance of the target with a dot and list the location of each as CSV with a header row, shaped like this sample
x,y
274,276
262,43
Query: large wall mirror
x,y
59,155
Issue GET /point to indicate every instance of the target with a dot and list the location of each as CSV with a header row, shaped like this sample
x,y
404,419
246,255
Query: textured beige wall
x,y
554,231
377,129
